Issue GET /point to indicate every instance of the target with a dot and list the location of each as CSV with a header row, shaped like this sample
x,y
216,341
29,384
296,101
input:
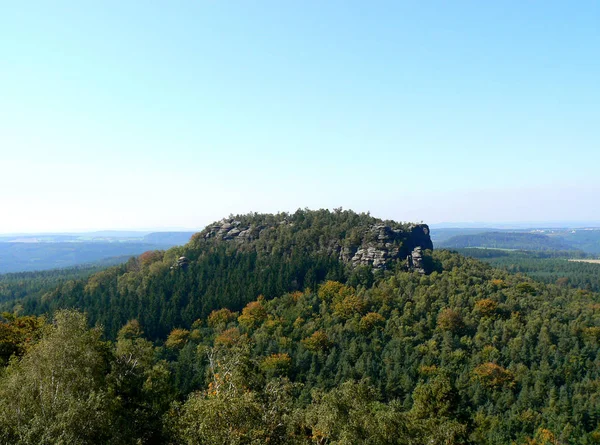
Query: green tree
x,y
57,393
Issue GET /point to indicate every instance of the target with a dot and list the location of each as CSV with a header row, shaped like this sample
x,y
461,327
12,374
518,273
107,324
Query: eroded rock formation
x,y
376,246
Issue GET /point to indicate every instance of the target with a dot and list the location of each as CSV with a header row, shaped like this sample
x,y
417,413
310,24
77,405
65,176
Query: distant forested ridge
x,y
16,286
27,253
508,240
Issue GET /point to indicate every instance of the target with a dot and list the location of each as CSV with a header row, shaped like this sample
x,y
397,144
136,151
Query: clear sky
x,y
154,114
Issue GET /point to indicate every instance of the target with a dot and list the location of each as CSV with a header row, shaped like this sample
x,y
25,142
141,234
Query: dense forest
x,y
280,338
16,286
547,267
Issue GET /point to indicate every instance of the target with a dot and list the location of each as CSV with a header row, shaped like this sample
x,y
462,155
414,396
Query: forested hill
x,y
508,240
309,328
234,260
465,355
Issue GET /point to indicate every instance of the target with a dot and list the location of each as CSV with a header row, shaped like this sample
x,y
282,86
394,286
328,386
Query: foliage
x,y
18,334
467,354
177,338
546,267
253,314
57,392
318,341
492,376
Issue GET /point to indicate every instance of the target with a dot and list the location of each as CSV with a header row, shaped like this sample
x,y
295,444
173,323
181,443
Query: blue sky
x,y
123,114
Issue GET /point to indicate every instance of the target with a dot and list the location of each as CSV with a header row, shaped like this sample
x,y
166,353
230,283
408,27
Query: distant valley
x,y
537,239
30,252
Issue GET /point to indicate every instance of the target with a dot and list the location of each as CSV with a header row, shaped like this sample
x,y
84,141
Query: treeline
x,y
467,354
16,286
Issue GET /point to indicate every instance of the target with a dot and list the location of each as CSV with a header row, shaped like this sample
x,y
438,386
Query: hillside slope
x,y
465,355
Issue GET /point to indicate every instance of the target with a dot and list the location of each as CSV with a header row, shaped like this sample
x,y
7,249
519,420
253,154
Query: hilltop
x,y
233,261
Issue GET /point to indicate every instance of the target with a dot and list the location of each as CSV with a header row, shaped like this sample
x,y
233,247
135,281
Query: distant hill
x,y
586,239
508,240
169,238
25,253
26,257
234,260
441,235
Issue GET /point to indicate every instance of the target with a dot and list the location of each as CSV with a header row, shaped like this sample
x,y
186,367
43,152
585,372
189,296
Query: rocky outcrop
x,y
181,263
415,260
376,246
390,244
231,230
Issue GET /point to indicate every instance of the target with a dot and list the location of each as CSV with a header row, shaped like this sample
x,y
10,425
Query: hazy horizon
x,y
504,225
142,114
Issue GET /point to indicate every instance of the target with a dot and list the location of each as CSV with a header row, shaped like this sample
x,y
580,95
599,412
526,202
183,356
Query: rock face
x,y
231,230
393,244
415,260
181,263
376,246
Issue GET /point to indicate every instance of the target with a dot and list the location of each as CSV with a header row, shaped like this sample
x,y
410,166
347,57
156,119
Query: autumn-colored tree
x,y
370,321
150,256
318,341
333,290
229,337
450,320
486,307
492,375
177,338
543,436
498,283
18,334
219,319
253,314
276,364
348,306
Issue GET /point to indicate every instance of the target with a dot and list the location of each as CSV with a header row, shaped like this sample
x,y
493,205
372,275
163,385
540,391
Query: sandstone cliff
x,y
379,244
